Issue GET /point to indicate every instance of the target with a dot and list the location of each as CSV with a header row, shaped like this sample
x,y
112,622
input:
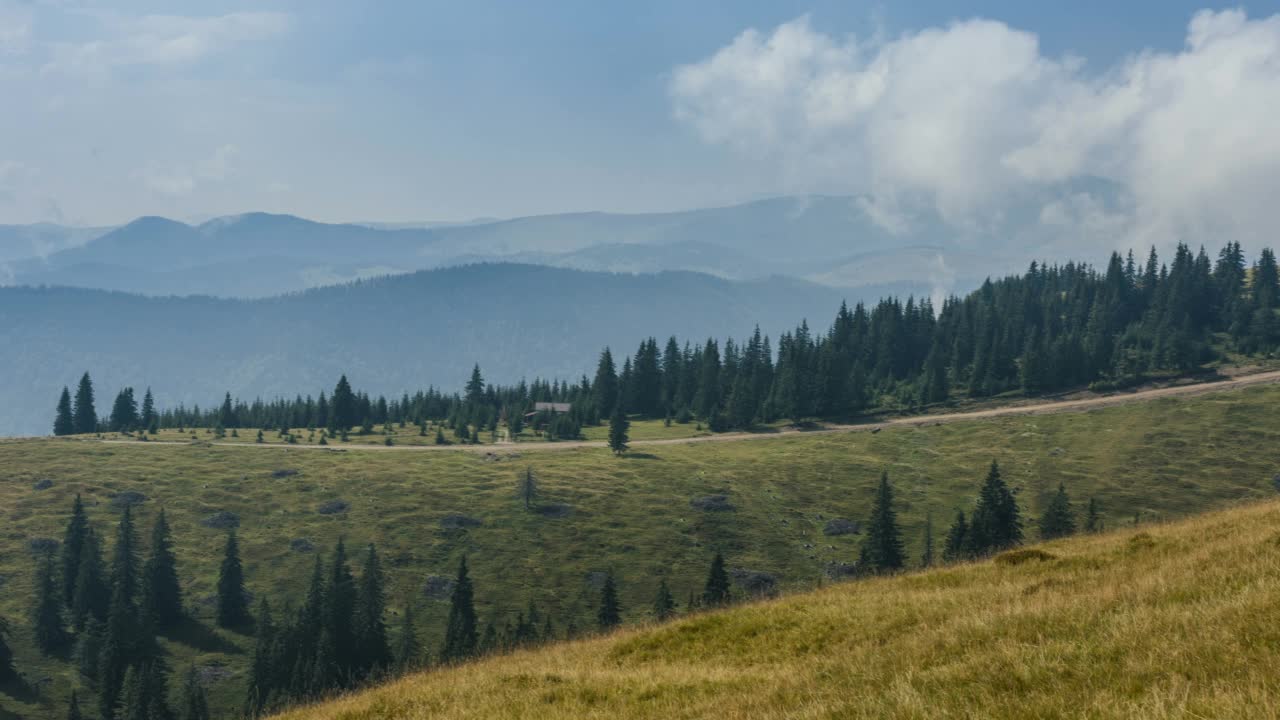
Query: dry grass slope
x,y
1175,621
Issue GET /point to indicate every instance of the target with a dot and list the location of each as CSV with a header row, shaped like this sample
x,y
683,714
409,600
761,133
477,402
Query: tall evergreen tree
x,y
1093,520
91,600
148,417
124,559
7,670
609,615
193,704
227,414
956,546
232,608
73,707
84,416
46,615
72,547
996,523
262,672
124,412
882,549
118,650
618,427
409,648
64,422
460,633
1058,520
475,387
372,648
340,607
161,593
716,592
664,604
605,388
343,413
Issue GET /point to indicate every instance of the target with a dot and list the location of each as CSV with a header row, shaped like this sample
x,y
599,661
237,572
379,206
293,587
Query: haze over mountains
x,y
829,240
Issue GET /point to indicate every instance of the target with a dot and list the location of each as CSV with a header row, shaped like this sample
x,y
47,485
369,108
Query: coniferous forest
x,y
1053,328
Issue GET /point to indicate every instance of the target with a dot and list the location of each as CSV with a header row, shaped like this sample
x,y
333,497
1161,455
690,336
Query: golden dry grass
x,y
1175,621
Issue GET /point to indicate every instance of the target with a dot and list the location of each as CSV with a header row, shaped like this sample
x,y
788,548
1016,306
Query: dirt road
x,y
1028,408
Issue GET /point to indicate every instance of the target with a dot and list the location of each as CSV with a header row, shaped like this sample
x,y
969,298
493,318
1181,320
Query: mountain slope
x,y
1171,621
390,334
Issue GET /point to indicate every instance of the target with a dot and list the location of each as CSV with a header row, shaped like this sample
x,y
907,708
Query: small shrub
x,y
1141,541
1024,555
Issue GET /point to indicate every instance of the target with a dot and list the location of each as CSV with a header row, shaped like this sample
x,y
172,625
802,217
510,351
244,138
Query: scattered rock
x,y
754,582
40,546
438,587
209,674
128,498
1024,555
595,579
302,545
1057,452
713,503
458,521
222,520
555,510
334,507
283,473
46,483
841,526
841,570
498,457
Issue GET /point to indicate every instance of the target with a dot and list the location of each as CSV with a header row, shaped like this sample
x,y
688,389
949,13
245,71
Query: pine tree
x,y
73,707
664,604
340,607
1093,520
84,417
605,388
161,593
372,647
926,555
64,421
90,603
342,407
73,539
232,609
124,412
1057,520
528,488
193,704
460,633
475,387
262,673
610,613
996,523
618,427
882,549
124,559
956,546
716,592
149,418
227,414
46,616
409,649
118,649
7,670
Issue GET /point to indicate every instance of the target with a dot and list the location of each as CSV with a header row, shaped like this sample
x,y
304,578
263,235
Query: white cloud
x,y
164,40
973,121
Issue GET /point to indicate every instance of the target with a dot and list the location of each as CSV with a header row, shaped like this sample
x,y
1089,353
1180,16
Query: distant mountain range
x,y
389,334
827,240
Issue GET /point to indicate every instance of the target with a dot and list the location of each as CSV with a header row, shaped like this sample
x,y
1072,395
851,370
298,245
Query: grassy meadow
x,y
1169,621
1152,461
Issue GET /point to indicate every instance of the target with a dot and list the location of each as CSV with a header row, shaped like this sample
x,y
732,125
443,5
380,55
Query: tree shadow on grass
x,y
640,456
19,689
193,633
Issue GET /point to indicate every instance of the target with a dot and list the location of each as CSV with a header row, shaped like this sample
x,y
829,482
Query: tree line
x,y
1052,328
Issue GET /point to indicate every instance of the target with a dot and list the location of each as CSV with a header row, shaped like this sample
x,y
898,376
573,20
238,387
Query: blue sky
x,y
404,111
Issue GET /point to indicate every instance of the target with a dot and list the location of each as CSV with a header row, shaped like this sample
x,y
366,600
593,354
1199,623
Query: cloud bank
x,y
973,123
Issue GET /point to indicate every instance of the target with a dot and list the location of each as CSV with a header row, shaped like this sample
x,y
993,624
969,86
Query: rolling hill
x,y
641,517
390,335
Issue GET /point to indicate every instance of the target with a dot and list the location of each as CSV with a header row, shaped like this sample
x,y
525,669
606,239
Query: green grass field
x,y
1160,460
1169,621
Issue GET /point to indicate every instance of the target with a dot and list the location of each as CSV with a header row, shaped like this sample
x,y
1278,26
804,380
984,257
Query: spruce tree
x,y
882,548
716,592
340,607
372,648
664,604
262,674
118,650
610,613
409,649
73,539
85,418
996,523
232,609
342,407
1057,520
460,633
91,601
926,555
46,615
64,421
124,559
618,426
192,704
161,593
149,418
605,388
956,546
7,670
73,707
1093,519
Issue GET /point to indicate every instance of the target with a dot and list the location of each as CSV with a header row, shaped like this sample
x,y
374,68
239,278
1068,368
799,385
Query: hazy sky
x,y
426,110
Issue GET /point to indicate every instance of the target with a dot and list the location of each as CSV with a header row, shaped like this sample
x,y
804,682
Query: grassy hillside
x,y
1161,460
1173,621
